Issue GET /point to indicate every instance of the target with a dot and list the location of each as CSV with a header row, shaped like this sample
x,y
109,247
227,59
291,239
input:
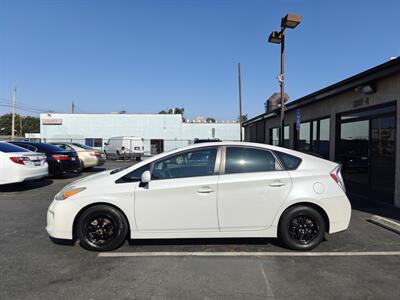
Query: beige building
x,y
352,122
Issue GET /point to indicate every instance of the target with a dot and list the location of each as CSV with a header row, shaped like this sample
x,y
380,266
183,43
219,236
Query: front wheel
x,y
301,228
101,228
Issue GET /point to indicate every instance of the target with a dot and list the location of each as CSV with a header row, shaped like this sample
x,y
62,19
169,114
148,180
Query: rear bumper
x,y
61,167
23,173
37,173
338,210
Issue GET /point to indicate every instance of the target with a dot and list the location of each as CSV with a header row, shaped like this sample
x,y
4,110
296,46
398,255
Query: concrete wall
x,y
388,90
169,128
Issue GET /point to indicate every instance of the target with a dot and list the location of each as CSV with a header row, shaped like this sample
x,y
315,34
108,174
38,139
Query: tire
x,y
301,228
110,224
81,167
138,158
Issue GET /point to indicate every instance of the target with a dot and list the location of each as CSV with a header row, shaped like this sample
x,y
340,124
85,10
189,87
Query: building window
x,y
94,142
304,141
286,137
274,136
313,137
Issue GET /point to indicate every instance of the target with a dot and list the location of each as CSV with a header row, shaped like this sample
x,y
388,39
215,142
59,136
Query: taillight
x,y
20,160
92,153
337,176
60,157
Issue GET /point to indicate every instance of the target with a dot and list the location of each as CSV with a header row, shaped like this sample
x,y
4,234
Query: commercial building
x,y
161,132
353,122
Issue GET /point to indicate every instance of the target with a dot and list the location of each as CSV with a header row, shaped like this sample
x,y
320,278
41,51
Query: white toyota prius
x,y
211,190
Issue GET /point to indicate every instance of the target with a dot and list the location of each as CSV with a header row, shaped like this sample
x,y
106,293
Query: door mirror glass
x,y
146,177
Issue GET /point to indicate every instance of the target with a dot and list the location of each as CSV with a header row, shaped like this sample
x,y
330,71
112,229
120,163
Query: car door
x,y
251,188
182,194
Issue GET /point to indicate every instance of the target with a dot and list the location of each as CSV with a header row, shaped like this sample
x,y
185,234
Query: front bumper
x,y
60,219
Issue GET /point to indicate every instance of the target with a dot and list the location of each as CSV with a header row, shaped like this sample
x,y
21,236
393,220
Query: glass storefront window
x,y
324,129
286,137
303,144
313,137
274,136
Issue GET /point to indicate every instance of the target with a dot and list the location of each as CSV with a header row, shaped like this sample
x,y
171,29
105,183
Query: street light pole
x,y
282,84
240,103
289,21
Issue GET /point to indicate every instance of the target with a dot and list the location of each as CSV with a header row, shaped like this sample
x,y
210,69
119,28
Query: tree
x,y
244,118
173,111
29,124
210,120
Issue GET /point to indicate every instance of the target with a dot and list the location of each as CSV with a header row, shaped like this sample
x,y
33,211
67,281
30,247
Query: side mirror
x,y
146,177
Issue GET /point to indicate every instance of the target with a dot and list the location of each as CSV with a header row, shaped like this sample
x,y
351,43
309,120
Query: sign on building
x,y
52,121
298,118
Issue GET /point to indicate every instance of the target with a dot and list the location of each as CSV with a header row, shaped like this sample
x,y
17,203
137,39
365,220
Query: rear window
x,y
82,146
290,162
7,148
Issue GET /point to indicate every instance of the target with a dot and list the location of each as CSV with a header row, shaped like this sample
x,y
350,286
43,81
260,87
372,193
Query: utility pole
x,y
240,102
20,125
73,107
13,113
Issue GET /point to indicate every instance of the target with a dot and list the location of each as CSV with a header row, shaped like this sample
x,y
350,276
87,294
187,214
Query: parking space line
x,y
248,254
270,294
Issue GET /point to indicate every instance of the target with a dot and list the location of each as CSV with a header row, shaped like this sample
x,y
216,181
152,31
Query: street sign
x,y
298,118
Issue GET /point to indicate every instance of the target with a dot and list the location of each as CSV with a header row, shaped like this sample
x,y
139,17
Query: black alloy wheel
x,y
101,228
301,228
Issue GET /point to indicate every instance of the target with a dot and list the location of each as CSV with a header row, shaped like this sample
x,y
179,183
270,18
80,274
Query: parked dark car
x,y
59,160
198,141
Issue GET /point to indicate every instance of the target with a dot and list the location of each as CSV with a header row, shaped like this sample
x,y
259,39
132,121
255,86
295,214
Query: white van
x,y
123,147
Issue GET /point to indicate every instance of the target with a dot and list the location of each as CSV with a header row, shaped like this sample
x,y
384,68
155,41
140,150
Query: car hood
x,y
92,180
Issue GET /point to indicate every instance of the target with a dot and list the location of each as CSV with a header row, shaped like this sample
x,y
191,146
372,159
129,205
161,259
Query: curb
x,y
385,223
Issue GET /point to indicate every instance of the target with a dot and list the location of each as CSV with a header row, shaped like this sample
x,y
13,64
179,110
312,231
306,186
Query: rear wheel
x,y
101,228
81,166
301,228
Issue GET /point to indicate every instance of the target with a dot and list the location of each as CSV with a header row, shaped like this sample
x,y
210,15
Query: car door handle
x,y
205,190
276,184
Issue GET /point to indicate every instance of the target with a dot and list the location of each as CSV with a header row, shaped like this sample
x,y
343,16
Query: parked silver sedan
x,y
89,157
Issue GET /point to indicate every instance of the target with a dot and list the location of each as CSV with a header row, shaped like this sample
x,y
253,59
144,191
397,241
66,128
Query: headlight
x,y
64,194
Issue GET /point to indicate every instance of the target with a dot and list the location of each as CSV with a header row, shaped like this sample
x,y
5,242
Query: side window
x,y
187,164
289,162
135,175
246,160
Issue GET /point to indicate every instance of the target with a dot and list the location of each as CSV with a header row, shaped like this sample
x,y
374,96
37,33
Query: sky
x,y
146,56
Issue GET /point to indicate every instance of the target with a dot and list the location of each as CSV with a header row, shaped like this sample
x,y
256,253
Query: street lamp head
x,y
290,21
275,37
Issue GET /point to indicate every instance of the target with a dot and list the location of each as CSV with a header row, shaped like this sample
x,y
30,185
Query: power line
x,y
22,104
23,109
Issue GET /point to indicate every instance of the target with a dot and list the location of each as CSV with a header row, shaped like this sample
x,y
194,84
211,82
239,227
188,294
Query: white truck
x,y
124,147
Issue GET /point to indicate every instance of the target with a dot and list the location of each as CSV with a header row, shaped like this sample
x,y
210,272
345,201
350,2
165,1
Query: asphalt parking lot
x,y
343,267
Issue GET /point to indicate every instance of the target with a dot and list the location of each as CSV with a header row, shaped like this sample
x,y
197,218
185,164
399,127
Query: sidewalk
x,y
375,208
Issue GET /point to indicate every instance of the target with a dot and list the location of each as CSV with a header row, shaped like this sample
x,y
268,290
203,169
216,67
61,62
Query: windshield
x,y
7,148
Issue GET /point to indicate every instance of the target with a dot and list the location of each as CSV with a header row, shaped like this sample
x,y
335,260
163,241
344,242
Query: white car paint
x,y
233,205
32,165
